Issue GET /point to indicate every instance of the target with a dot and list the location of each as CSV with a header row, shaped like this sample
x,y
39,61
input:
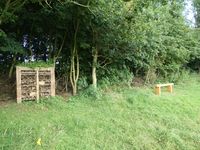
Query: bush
x,y
175,77
116,76
82,83
92,92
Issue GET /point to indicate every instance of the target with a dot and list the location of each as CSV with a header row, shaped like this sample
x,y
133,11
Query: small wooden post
x,y
18,83
158,90
52,81
37,85
170,88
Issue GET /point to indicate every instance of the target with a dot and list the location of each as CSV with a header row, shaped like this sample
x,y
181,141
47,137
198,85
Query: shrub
x,y
116,76
82,83
92,92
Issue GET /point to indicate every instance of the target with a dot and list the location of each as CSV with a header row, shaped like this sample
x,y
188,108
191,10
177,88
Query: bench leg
x,y
158,90
170,88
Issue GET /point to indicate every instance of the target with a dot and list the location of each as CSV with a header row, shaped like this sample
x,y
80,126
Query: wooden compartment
x,y
34,83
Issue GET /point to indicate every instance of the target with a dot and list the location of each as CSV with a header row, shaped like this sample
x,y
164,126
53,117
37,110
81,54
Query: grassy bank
x,y
125,118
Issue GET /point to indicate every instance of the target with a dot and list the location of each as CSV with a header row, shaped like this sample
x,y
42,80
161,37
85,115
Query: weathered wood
x,y
41,83
18,83
33,94
53,82
34,83
37,85
170,88
162,85
158,90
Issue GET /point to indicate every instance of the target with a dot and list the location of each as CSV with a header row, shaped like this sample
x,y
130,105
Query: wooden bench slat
x,y
161,85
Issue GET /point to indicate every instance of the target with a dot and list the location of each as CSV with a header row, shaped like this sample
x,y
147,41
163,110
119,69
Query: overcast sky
x,y
189,12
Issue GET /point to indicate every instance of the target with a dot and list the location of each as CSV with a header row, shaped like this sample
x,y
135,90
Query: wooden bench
x,y
168,85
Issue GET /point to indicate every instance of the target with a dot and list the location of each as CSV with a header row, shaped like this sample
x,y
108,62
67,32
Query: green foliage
x,y
196,4
115,75
2,35
38,64
176,77
194,62
82,83
92,93
161,40
8,10
149,37
11,46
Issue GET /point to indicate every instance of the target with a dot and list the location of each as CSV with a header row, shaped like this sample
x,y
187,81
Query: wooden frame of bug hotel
x,y
34,83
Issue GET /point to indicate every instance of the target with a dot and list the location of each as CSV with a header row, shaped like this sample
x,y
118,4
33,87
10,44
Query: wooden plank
x,y
28,73
37,85
18,83
52,81
167,84
32,94
41,83
158,90
170,88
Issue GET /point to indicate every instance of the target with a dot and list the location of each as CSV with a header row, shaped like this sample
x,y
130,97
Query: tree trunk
x,y
12,67
61,47
95,57
94,67
74,91
74,71
74,68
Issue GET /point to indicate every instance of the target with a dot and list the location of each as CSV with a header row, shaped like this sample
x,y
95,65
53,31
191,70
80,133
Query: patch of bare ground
x,y
138,82
7,90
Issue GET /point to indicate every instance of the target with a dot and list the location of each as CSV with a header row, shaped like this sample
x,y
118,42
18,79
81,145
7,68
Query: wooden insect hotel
x,y
34,83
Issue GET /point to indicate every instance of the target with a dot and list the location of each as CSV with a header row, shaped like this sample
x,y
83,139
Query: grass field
x,y
121,118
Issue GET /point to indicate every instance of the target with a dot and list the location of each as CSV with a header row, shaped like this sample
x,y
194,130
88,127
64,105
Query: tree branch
x,y
48,3
82,5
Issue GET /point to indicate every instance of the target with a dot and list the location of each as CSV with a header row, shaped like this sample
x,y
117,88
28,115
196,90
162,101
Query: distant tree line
x,y
97,41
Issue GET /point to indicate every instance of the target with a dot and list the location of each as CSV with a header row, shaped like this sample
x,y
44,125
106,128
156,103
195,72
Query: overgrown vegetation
x,y
37,64
102,49
89,39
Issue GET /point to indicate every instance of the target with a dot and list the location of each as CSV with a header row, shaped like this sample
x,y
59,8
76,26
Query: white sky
x,y
189,12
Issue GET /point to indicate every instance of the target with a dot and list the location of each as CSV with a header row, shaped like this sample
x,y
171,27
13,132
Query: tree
x,y
160,41
13,48
8,8
107,33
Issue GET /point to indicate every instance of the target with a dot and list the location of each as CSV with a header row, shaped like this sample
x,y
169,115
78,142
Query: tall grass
x,y
120,118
